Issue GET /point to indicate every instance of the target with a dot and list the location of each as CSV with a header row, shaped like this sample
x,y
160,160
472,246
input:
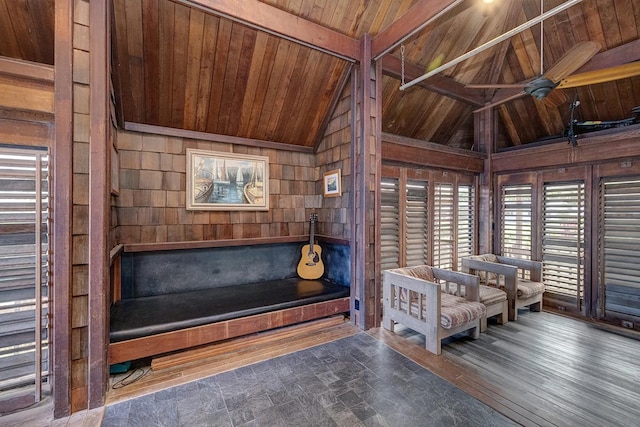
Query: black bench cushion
x,y
140,317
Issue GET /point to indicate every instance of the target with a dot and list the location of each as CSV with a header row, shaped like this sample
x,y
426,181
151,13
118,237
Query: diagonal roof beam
x,y
283,24
413,20
392,66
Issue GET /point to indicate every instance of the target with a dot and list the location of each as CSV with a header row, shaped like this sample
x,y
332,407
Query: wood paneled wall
x,y
151,204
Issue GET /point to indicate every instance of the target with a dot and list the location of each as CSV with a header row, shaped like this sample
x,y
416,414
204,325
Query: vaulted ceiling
x,y
239,69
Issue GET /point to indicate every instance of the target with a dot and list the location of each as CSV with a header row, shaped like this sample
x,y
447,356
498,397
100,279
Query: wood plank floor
x,y
544,369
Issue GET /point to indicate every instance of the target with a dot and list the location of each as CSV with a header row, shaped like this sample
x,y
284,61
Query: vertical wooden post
x,y
99,191
485,136
365,294
61,219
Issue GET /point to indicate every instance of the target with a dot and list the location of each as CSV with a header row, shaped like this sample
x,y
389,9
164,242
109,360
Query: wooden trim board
x,y
198,335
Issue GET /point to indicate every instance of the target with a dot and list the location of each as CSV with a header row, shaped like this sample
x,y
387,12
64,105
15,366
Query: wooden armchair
x,y
411,297
510,274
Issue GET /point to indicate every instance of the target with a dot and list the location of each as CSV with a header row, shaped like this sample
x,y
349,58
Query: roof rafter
x,y
278,22
392,66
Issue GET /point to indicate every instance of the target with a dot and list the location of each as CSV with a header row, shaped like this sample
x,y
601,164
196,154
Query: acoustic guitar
x,y
310,266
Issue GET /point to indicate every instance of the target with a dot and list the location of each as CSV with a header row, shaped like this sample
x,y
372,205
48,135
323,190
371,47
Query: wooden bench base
x,y
138,348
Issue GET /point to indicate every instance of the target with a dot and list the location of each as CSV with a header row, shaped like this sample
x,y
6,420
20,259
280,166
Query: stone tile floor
x,y
355,381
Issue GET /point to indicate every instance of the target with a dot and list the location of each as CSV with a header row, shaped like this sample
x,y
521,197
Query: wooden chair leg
x,y
483,324
504,316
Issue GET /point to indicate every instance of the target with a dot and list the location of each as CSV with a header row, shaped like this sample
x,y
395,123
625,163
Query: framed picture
x,y
332,184
227,181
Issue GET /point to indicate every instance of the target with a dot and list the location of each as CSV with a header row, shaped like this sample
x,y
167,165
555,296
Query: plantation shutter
x,y
515,221
466,225
443,224
390,224
417,223
563,240
23,271
620,246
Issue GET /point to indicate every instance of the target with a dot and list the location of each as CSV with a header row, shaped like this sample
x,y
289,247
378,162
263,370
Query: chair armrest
x,y
470,282
481,268
534,267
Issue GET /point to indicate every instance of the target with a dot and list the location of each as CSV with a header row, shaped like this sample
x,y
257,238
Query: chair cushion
x,y
456,311
486,258
423,272
527,288
490,295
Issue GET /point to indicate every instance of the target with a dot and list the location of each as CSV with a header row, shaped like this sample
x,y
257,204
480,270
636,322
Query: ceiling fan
x,y
560,75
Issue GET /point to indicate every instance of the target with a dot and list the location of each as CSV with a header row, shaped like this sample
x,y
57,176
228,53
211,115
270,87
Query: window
x,y
515,220
466,222
431,223
390,224
618,247
24,273
563,241
417,223
443,226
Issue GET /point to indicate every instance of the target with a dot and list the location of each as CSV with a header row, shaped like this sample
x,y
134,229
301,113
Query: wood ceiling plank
x,y
513,12
121,64
294,98
318,108
217,81
151,40
165,73
282,85
608,18
266,68
230,76
253,82
135,54
626,20
42,13
412,19
9,46
279,62
195,52
267,17
241,89
180,60
210,37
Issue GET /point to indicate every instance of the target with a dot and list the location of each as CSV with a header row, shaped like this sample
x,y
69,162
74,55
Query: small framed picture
x,y
332,184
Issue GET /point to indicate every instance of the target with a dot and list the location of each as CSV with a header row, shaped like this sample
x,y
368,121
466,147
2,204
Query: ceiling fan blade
x,y
575,58
601,76
496,86
500,101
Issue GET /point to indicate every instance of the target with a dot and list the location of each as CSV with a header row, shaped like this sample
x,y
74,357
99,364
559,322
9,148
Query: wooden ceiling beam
x,y
392,66
278,22
412,21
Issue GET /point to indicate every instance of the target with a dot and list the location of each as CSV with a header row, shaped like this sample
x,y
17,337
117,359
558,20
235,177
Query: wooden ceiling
x,y
199,65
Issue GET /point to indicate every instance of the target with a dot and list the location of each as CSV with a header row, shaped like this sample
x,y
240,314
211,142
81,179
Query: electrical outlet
x,y
627,324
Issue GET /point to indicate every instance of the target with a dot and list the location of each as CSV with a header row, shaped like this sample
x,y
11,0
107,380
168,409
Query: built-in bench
x,y
175,296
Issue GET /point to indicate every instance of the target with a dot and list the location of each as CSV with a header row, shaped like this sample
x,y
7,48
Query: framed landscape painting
x,y
227,181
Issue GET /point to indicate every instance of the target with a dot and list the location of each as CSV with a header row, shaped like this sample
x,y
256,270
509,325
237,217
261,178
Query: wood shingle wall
x,y
152,200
